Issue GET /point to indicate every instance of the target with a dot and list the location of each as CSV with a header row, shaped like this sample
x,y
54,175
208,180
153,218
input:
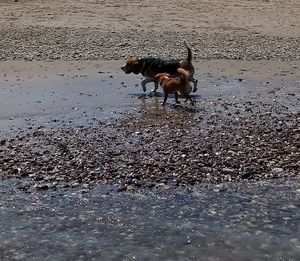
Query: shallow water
x,y
62,100
59,99
242,221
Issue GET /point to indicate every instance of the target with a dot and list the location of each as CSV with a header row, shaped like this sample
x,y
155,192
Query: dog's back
x,y
151,66
163,78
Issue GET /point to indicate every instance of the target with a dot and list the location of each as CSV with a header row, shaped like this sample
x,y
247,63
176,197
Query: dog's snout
x,y
123,68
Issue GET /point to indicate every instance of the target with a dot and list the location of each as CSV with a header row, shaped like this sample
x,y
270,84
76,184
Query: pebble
x,y
277,170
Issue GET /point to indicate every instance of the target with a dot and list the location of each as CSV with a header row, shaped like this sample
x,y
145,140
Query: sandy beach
x,y
112,30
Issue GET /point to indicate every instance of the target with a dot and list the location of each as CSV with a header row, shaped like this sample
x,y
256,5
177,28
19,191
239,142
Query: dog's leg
x,y
195,82
144,82
176,97
155,87
165,98
189,98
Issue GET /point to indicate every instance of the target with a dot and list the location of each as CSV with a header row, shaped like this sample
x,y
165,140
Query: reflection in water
x,y
222,222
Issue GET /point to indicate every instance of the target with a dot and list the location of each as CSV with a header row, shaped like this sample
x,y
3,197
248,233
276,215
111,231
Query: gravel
x,y
176,148
42,43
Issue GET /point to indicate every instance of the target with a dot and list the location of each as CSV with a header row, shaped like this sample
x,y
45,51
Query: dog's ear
x,y
132,60
128,58
135,60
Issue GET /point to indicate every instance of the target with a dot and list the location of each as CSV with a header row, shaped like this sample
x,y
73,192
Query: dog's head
x,y
132,65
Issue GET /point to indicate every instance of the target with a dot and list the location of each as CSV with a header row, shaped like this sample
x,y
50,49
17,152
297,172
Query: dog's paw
x,y
195,89
155,94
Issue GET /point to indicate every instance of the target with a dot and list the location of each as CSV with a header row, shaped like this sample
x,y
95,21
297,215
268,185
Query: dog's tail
x,y
184,75
190,55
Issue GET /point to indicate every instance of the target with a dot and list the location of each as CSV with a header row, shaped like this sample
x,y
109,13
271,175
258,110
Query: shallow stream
x,y
241,221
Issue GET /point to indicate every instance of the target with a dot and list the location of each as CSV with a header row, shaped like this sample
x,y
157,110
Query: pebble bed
x,y
152,149
40,43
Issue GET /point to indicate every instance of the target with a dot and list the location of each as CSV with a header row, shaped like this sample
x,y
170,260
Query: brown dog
x,y
149,67
174,84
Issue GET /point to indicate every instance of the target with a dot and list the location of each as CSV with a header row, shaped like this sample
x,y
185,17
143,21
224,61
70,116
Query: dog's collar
x,y
143,66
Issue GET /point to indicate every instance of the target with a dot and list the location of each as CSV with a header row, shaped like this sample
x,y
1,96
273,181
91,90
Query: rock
x,y
277,170
41,186
228,171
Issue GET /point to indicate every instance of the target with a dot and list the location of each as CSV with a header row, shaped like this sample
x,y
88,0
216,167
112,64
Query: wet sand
x,y
34,94
48,90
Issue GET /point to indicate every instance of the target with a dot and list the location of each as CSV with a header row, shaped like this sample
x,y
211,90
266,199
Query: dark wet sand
x,y
34,94
43,91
